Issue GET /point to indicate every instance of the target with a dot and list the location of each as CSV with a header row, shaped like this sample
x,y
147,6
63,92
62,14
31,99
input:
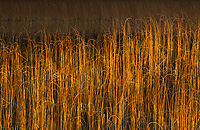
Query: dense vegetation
x,y
139,75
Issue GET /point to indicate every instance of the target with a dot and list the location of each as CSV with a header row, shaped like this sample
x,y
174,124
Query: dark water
x,y
88,27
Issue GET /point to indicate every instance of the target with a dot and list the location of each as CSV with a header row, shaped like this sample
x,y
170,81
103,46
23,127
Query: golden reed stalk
x,y
140,75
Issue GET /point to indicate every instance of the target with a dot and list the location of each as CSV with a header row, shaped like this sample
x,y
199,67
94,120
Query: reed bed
x,y
141,75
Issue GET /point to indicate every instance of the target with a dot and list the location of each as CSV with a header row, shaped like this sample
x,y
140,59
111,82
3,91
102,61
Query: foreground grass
x,y
141,76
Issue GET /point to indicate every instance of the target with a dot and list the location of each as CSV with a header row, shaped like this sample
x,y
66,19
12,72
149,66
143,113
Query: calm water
x,y
66,26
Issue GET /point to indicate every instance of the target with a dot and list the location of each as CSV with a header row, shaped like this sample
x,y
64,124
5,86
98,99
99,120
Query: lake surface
x,y
66,26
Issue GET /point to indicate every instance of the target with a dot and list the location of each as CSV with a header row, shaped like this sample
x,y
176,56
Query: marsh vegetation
x,y
135,77
112,73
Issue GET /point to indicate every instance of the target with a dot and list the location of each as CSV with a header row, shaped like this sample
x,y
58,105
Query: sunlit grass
x,y
142,75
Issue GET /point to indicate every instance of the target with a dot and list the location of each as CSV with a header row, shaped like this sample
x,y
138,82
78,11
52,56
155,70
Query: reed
x,y
140,75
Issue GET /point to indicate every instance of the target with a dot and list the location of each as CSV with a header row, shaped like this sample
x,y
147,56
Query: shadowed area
x,y
86,16
62,9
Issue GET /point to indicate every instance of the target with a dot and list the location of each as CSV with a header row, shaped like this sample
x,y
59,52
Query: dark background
x,y
20,9
89,16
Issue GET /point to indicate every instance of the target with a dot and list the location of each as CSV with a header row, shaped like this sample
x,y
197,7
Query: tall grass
x,y
141,75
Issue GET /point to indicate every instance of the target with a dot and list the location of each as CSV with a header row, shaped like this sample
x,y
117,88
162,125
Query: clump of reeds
x,y
144,75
